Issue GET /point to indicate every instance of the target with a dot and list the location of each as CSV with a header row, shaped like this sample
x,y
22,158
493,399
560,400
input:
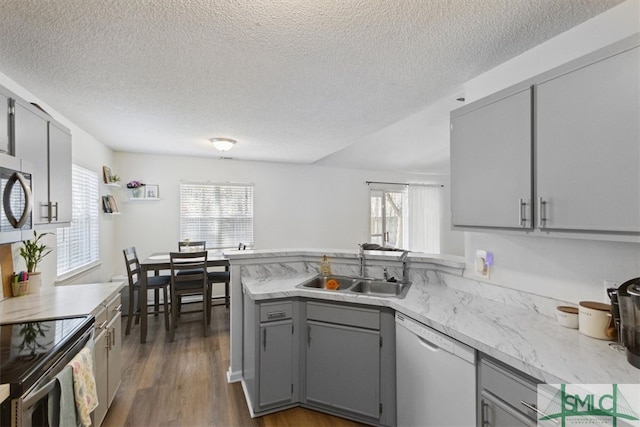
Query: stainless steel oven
x,y
17,199
31,355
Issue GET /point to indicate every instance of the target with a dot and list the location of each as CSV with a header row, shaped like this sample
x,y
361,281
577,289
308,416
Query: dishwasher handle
x,y
428,344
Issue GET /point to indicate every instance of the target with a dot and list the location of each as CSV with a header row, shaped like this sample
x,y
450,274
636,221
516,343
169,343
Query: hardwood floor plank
x,y
183,383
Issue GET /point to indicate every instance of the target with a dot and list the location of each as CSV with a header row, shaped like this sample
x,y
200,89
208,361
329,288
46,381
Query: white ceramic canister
x,y
593,319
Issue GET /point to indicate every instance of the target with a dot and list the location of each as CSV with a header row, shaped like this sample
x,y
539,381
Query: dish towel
x,y
62,408
84,385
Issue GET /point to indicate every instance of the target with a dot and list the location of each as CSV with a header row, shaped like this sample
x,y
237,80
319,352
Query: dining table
x,y
160,261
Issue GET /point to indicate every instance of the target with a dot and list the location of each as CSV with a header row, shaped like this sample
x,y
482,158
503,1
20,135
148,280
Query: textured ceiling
x,y
292,80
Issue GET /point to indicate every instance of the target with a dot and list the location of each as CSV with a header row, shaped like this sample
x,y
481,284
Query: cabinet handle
x,y
102,325
113,337
542,208
522,212
534,407
53,217
308,335
118,308
264,339
483,413
276,314
108,340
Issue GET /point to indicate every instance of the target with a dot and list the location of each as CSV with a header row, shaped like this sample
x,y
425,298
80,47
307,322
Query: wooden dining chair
x,y
194,282
213,276
192,245
154,283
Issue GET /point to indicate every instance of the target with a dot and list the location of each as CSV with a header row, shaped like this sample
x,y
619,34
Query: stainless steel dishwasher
x,y
436,377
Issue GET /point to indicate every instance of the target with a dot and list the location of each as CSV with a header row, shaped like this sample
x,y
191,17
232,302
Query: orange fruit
x,y
332,284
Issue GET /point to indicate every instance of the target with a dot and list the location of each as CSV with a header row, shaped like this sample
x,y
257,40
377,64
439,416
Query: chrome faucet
x,y
405,271
361,256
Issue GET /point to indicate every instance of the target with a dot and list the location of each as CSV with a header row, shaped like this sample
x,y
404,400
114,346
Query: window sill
x,y
77,272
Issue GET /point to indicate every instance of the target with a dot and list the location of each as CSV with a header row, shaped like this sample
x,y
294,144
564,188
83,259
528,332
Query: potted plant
x,y
135,187
33,251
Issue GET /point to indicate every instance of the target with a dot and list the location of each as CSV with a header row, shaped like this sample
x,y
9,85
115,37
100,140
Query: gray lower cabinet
x,y
333,357
350,361
270,365
503,396
107,355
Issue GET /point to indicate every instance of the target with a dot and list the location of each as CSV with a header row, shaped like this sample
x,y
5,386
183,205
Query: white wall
x,y
295,206
568,269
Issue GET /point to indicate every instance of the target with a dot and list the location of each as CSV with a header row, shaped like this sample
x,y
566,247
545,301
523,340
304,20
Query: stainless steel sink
x,y
320,282
357,285
381,288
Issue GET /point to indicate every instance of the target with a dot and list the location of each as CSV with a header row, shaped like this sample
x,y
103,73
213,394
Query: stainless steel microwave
x,y
17,199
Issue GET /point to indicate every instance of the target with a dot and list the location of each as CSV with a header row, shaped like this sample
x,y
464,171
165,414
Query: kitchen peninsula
x,y
513,327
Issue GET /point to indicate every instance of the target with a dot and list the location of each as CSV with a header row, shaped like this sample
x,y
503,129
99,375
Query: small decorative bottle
x,y
325,266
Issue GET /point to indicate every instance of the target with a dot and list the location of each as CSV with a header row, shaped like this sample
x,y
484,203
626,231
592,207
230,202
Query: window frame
x,y
220,217
85,195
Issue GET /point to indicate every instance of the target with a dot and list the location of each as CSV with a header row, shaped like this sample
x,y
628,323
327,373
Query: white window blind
x,y
79,244
220,214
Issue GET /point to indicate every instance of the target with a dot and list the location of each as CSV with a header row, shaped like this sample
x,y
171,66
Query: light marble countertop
x,y
531,342
57,301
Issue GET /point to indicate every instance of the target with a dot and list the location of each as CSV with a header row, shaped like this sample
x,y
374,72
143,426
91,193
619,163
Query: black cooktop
x,y
29,349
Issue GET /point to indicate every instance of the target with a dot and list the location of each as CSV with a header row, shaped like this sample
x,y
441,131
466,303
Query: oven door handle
x,y
6,200
42,392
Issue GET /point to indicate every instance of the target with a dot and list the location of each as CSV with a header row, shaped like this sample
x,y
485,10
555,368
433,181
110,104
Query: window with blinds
x,y
79,244
220,214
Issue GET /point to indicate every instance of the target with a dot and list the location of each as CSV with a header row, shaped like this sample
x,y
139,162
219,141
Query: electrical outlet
x,y
609,284
483,262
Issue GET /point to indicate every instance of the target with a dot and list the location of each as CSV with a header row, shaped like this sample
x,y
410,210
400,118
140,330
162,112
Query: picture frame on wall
x,y
151,191
106,174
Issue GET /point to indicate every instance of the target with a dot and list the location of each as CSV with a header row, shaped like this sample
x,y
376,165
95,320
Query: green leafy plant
x,y
33,251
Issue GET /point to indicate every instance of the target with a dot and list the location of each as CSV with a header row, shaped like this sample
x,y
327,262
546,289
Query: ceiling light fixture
x,y
223,144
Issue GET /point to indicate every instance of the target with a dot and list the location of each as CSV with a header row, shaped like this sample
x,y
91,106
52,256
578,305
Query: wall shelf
x,y
144,199
112,184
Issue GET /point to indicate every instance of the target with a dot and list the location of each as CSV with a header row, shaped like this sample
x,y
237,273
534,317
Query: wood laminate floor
x,y
183,383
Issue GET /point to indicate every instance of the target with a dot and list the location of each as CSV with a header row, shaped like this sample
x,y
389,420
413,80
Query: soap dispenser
x,y
325,266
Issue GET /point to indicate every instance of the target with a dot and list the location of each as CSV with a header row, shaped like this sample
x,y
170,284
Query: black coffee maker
x,y
625,304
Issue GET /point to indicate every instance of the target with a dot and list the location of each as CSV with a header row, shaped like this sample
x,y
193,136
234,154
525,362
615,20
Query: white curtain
x,y
424,218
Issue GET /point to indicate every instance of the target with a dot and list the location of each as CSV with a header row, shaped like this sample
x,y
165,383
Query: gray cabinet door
x,y
276,363
5,124
60,174
343,368
496,413
31,144
588,147
491,163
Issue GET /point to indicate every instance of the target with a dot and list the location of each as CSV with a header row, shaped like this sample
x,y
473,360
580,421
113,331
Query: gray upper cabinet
x,y
31,140
557,153
588,147
58,207
46,145
491,164
6,122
